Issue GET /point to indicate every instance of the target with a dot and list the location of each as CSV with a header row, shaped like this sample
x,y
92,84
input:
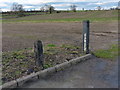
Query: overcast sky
x,y
5,5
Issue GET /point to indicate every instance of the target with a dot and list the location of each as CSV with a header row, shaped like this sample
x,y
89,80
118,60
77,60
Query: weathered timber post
x,y
86,36
39,57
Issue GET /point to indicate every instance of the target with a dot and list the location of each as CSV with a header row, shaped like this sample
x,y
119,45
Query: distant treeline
x,y
16,12
37,11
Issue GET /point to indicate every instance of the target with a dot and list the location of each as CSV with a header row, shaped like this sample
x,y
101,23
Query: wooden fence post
x,y
39,57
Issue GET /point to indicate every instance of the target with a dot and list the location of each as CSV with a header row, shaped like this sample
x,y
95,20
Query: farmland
x,y
58,29
110,15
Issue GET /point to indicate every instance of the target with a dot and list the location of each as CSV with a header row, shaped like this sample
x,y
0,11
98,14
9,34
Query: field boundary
x,y
41,74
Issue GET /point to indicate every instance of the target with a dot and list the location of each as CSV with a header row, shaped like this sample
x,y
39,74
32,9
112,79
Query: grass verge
x,y
110,53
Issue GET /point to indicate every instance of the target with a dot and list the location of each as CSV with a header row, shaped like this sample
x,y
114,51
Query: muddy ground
x,y
17,36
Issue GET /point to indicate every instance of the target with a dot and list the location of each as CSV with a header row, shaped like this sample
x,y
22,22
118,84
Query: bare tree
x,y
99,7
42,9
21,10
18,8
0,10
83,9
49,8
73,7
14,6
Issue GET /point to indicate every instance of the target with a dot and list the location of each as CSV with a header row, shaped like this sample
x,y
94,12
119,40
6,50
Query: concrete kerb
x,y
22,80
44,73
79,59
10,85
62,66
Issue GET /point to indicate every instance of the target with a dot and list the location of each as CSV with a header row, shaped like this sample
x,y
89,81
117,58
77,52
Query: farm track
x,y
22,35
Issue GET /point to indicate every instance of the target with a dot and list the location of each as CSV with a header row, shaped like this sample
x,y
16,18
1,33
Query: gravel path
x,y
93,73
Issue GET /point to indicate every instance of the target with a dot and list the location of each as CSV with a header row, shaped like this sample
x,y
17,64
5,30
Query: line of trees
x,y
18,9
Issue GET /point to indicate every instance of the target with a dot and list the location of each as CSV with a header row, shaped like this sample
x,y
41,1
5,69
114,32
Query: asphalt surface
x,y
93,73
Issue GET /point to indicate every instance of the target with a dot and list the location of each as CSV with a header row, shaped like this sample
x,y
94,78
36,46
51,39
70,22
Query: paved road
x,y
93,73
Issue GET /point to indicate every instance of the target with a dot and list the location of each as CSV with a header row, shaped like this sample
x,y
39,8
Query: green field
x,y
110,53
111,15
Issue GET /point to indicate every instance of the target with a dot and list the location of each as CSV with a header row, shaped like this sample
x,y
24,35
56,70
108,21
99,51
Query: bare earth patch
x,y
22,35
